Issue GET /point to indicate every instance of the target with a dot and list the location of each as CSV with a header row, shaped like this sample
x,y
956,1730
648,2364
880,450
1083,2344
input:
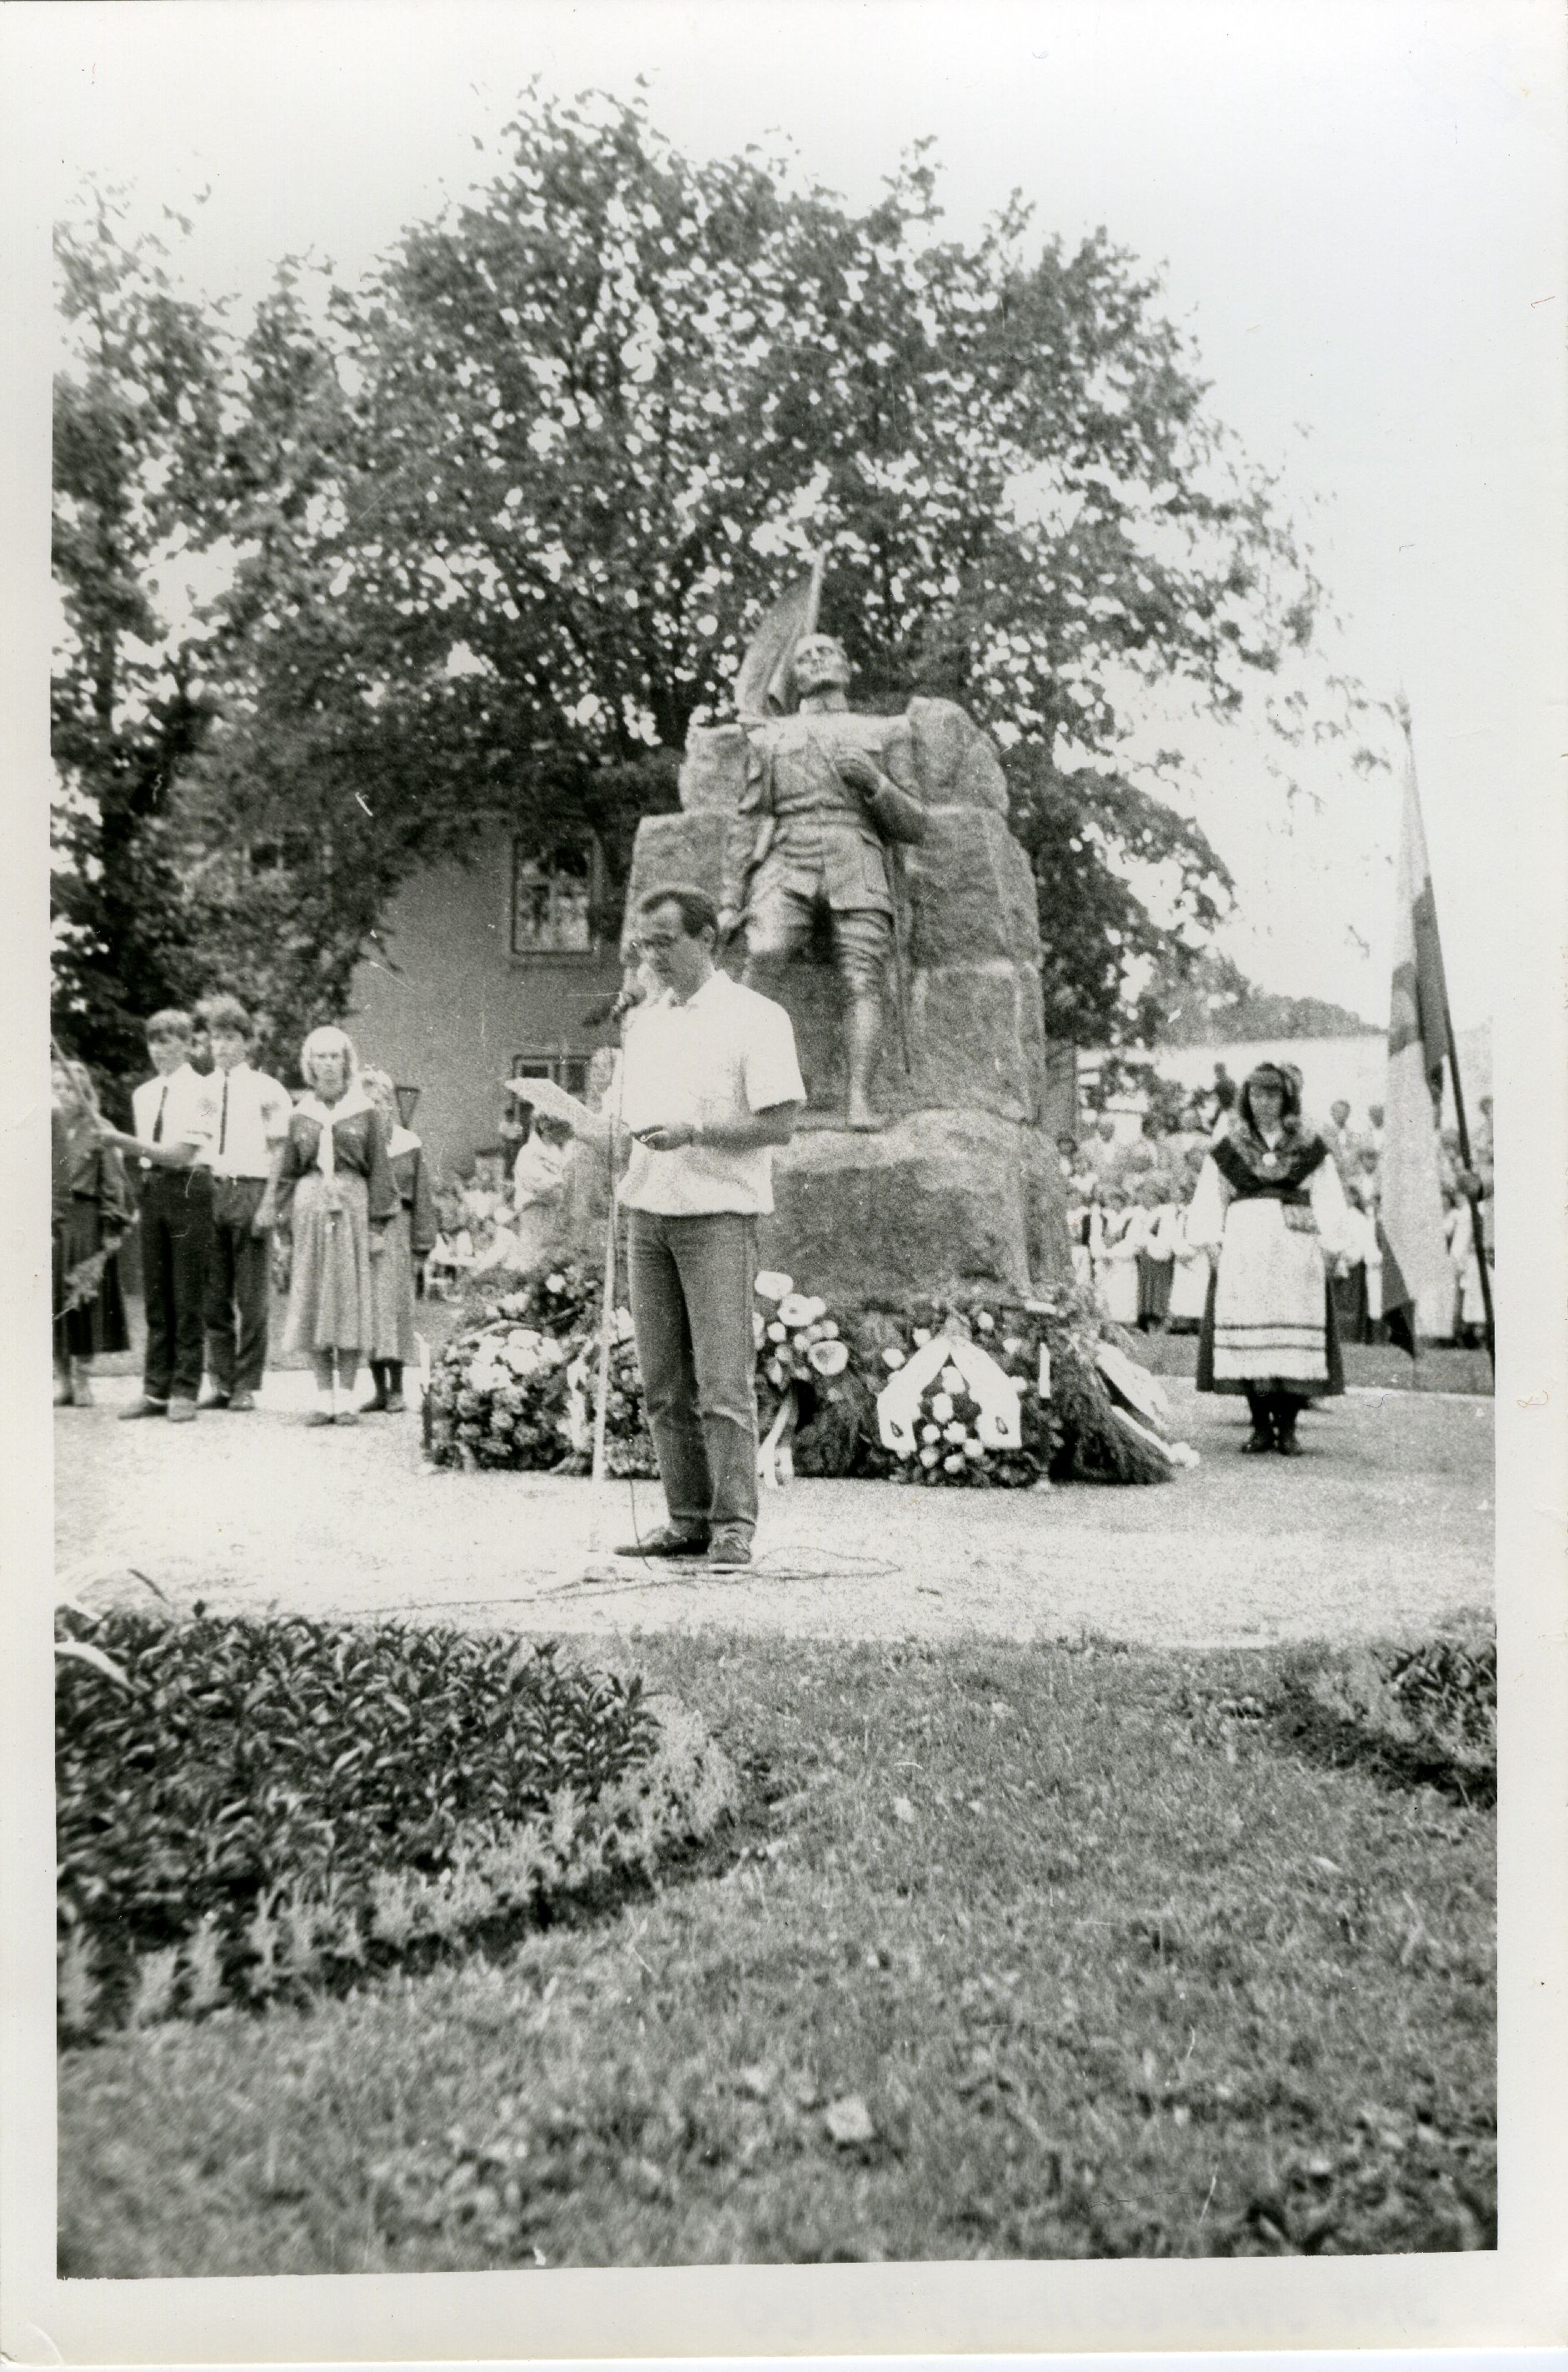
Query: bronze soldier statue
x,y
816,833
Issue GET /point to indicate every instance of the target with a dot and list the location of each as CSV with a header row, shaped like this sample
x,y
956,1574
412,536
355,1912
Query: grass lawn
x,y
1019,1952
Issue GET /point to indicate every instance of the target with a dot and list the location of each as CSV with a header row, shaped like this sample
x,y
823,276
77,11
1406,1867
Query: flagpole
x,y
1478,1244
1478,1241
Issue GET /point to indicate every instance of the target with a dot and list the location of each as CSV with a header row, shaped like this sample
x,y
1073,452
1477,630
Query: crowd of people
x,y
1130,1216
237,1181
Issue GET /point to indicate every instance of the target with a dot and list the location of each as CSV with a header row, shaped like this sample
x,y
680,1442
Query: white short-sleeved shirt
x,y
188,1108
251,1121
722,1056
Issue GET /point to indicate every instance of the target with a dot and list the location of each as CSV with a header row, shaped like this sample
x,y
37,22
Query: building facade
x,y
484,970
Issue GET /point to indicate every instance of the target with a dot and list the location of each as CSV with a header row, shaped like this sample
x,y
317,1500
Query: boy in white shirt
x,y
174,1129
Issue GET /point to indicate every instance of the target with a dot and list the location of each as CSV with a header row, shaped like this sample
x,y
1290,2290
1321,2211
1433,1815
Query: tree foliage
x,y
506,514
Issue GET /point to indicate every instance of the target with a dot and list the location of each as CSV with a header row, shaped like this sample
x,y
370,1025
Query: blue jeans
x,y
692,1280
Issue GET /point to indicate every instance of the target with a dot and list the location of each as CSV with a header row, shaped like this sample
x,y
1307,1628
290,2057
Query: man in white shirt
x,y
253,1112
175,1123
709,1084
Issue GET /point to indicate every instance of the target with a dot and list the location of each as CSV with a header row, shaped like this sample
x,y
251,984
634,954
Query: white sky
x,y
1358,206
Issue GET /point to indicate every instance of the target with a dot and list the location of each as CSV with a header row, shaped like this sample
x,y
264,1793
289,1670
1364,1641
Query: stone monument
x,y
893,914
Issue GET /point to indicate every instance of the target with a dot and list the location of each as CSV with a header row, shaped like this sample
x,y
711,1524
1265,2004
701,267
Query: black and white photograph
x,y
802,818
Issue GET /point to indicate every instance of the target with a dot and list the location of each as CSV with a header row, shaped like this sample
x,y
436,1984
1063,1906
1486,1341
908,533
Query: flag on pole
x,y
762,680
1417,1276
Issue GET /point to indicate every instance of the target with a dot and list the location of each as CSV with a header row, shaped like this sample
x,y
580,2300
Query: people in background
x,y
174,1127
1115,1268
253,1113
1157,1256
1270,1205
409,1238
90,1209
335,1197
493,1244
539,1184
451,1255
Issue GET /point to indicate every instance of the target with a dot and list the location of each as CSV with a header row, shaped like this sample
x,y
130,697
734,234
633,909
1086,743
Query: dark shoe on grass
x,y
1258,1444
219,1400
729,1552
667,1541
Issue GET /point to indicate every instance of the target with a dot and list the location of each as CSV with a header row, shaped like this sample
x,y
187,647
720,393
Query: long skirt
x,y
1154,1290
1118,1284
98,1325
329,1289
391,1296
1269,1321
1189,1292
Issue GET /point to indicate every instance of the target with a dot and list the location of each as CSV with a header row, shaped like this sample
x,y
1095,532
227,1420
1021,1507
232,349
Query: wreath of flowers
x,y
516,1389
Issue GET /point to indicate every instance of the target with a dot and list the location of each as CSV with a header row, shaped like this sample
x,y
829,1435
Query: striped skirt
x,y
1268,1322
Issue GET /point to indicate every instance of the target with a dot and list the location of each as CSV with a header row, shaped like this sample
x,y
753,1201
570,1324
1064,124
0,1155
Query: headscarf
x,y
1278,1074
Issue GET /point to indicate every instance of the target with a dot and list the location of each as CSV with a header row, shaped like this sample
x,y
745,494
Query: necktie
x,y
157,1124
223,1118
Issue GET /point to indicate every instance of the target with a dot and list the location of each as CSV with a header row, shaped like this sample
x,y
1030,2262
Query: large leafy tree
x,y
508,513
138,407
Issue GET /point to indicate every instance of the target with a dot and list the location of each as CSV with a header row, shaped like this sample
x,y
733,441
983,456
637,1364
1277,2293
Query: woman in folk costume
x,y
1116,1266
334,1193
1269,1202
90,1209
410,1237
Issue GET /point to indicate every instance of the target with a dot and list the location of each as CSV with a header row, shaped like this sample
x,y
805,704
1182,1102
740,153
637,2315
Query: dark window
x,y
556,899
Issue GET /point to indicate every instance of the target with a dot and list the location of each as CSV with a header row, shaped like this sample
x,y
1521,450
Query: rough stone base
x,y
935,1201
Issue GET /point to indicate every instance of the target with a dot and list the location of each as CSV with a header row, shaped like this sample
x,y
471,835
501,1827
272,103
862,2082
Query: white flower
x,y
829,1327
777,1333
957,1434
818,1308
984,1322
941,1407
773,1284
775,1373
974,1450
1012,1344
928,1458
932,1433
556,1284
952,1379
828,1358
892,1357
795,1311
759,1331
923,1334
953,1464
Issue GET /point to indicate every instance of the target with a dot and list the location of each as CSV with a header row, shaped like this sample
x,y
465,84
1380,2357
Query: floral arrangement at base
x,y
516,1389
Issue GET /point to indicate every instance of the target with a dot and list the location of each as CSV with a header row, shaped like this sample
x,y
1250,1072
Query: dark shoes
x,y
143,1408
729,1552
666,1542
241,1403
219,1400
1258,1444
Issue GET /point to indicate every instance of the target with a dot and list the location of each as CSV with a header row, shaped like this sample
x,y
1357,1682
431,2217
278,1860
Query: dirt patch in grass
x,y
1026,1952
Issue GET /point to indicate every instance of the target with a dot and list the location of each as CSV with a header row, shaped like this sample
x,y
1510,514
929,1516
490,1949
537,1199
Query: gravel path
x,y
1384,1526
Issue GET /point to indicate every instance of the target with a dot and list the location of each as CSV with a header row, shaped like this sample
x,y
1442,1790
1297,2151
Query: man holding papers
x,y
709,1084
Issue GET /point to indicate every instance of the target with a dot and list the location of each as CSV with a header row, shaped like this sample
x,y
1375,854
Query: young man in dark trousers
x,y
174,1129
253,1112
